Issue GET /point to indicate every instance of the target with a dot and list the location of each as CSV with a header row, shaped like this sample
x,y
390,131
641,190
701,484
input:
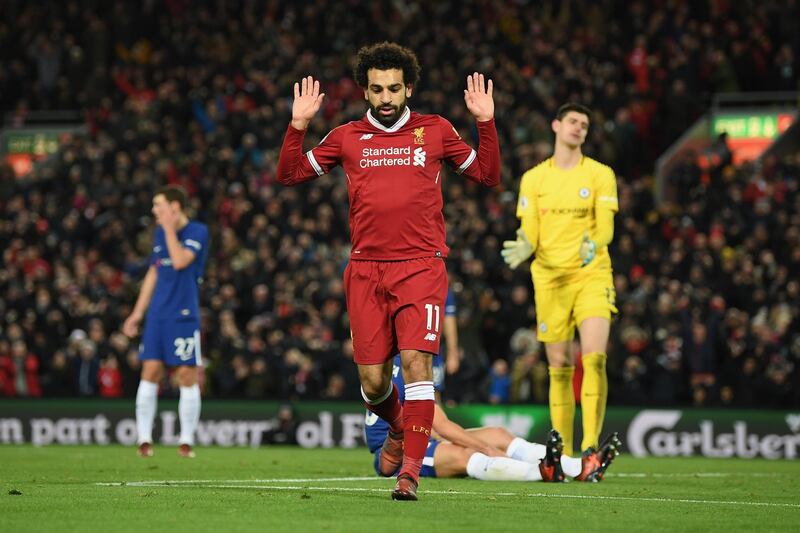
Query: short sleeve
x,y
607,191
526,203
195,238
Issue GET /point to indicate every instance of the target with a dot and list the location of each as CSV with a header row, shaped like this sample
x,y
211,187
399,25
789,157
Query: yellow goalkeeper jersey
x,y
557,208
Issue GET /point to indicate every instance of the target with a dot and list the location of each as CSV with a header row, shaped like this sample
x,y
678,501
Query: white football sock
x,y
146,403
481,466
189,413
571,466
523,450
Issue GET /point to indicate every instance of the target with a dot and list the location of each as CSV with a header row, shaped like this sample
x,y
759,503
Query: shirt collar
x,y
396,126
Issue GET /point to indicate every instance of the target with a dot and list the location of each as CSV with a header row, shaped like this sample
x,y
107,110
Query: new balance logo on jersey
x,y
430,337
419,157
366,137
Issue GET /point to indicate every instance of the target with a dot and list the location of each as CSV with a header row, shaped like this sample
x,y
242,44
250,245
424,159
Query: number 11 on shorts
x,y
430,308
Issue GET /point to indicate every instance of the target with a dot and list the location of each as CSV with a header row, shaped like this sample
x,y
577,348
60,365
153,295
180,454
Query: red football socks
x,y
417,424
390,410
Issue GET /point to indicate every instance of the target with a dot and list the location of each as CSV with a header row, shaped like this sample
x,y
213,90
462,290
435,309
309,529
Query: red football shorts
x,y
395,305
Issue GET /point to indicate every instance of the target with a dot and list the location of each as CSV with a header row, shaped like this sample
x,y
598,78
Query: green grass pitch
x,y
109,488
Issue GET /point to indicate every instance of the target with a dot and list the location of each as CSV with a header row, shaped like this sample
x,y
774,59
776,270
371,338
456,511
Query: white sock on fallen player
x,y
481,466
531,452
523,450
146,403
189,413
571,466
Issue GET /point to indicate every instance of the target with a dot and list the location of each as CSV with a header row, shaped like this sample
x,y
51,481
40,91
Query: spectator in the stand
x,y
529,378
59,379
634,385
231,380
284,427
259,382
700,345
499,383
109,378
131,370
668,373
20,371
87,367
335,388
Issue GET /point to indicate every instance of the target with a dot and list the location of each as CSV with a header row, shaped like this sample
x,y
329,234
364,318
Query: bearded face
x,y
386,94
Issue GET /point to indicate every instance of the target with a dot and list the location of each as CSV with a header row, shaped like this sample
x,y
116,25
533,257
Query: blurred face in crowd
x,y
387,94
19,349
572,129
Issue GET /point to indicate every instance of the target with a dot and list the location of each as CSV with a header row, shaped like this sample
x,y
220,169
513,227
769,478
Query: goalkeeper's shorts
x,y
560,309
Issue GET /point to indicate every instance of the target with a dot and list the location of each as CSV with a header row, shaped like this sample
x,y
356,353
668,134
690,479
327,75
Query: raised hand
x,y
479,97
307,100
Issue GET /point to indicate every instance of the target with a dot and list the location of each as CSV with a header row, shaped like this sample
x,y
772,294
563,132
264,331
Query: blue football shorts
x,y
175,342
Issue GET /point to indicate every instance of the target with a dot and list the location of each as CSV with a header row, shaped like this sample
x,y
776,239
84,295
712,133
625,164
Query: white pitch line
x,y
471,493
276,480
697,474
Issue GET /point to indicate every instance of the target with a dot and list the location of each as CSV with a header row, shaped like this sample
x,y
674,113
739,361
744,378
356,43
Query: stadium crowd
x,y
199,94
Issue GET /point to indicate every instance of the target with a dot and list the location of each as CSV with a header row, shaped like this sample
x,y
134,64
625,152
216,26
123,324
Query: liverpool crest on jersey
x,y
419,135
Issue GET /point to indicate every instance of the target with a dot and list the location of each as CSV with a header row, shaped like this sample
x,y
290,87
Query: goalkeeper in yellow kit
x,y
567,205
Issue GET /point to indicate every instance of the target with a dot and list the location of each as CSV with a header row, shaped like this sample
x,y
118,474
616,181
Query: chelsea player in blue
x,y
170,297
492,453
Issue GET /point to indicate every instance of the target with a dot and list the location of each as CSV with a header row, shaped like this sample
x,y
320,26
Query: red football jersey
x,y
393,178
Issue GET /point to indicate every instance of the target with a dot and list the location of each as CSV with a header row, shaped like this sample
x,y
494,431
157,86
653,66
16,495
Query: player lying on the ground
x,y
488,453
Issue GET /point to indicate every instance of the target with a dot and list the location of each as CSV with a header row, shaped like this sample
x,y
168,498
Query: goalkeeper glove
x,y
587,250
516,252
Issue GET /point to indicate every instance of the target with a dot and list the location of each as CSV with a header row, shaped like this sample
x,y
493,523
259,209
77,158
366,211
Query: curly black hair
x,y
385,56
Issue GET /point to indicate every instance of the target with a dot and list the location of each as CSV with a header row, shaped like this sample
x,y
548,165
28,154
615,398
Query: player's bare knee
x,y
375,380
152,371
558,355
187,376
500,437
557,360
373,390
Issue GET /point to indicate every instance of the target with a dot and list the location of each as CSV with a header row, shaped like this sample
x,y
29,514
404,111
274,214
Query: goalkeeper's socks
x,y
387,407
594,393
562,403
146,402
417,423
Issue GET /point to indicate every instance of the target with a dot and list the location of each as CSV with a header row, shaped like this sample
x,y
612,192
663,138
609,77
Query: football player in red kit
x,y
396,280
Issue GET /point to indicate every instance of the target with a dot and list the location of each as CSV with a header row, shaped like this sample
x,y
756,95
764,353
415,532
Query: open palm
x,y
478,96
307,101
